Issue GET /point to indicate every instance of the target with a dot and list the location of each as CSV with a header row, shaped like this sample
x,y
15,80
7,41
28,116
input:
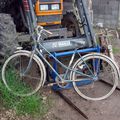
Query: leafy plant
x,y
33,105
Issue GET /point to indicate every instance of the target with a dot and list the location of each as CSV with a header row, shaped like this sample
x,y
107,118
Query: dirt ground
x,y
108,109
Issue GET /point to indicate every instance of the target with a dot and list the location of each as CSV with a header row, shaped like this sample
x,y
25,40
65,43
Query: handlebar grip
x,y
50,33
41,28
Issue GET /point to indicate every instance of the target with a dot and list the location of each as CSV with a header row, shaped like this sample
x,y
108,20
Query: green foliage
x,y
116,50
33,105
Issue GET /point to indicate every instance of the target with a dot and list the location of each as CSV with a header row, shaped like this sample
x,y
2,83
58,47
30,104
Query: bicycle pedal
x,y
51,84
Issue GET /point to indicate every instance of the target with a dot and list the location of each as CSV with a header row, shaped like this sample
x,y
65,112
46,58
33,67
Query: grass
x,y
15,82
116,50
33,105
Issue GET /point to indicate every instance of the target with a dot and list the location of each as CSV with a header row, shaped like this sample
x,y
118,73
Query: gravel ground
x,y
11,115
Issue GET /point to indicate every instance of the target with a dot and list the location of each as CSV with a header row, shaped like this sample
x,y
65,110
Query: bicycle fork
x,y
29,64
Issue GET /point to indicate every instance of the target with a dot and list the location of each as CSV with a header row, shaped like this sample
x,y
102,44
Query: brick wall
x,y
107,12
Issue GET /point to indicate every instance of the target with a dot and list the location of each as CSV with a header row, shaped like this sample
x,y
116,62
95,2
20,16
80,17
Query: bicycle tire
x,y
107,61
39,64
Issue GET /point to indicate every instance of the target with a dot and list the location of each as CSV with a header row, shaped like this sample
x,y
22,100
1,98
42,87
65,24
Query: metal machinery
x,y
51,19
49,13
68,20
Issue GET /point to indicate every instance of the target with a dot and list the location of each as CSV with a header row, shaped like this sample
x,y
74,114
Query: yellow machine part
x,y
48,13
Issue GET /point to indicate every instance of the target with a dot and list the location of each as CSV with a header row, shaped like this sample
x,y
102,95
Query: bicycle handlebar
x,y
50,33
40,29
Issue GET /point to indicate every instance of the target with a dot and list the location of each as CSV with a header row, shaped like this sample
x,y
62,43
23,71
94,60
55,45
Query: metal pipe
x,y
67,53
33,16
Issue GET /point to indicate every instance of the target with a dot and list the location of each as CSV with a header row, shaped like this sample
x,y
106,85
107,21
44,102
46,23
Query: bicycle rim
x,y
105,76
18,81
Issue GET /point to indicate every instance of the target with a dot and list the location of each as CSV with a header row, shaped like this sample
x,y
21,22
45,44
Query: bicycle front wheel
x,y
20,79
97,78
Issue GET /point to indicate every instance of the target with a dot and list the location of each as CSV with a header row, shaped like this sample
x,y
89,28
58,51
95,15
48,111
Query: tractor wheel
x,y
70,22
8,35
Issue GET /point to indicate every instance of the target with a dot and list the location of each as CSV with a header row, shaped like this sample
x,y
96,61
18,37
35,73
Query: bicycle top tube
x,y
64,66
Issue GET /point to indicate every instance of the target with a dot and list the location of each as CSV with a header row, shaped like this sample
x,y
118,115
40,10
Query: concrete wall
x,y
107,12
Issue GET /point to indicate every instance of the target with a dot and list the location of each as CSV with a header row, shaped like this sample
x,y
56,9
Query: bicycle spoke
x,y
94,70
86,65
98,66
23,84
83,74
28,76
103,68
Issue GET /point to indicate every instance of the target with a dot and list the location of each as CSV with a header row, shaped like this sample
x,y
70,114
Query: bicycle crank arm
x,y
80,81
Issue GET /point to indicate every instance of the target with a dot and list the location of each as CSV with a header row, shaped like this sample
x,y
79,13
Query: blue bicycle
x,y
24,72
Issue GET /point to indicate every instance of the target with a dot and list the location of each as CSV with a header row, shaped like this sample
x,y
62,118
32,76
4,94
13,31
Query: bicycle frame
x,y
36,49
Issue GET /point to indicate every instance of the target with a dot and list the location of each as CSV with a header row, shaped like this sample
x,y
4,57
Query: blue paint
x,y
70,85
67,53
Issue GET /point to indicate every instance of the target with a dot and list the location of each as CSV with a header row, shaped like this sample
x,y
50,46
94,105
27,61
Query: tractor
x,y
68,20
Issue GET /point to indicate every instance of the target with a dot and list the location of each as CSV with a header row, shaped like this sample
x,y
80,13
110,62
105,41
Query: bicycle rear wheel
x,y
19,81
99,76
